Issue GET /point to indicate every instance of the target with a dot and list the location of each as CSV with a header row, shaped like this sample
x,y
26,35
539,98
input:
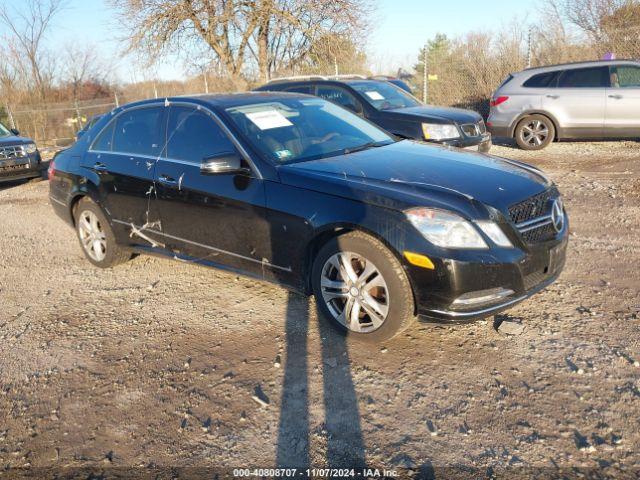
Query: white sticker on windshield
x,y
269,119
373,95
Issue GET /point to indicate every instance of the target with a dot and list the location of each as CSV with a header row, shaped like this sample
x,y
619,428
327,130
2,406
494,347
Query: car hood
x,y
14,140
428,112
409,173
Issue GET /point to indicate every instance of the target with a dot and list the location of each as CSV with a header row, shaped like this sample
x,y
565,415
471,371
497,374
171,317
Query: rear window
x,y
594,77
542,80
299,89
506,80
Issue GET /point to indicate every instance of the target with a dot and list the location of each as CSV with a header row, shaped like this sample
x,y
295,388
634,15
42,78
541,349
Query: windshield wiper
x,y
365,146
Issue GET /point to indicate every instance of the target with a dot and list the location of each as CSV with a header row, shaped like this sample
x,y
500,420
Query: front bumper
x,y
482,142
520,273
20,168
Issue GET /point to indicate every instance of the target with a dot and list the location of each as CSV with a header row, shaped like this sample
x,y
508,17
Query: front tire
x,y
534,132
96,237
361,288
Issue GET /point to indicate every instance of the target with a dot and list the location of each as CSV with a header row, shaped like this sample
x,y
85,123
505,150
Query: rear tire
x,y
534,132
97,241
369,300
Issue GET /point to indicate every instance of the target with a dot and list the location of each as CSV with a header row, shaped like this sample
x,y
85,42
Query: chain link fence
x,y
460,73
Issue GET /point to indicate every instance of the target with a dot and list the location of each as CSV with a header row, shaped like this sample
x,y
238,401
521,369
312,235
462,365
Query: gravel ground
x,y
158,363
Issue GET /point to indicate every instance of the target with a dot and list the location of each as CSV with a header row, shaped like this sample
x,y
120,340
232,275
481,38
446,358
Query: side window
x,y
584,78
105,140
542,80
139,131
299,89
340,96
193,135
626,76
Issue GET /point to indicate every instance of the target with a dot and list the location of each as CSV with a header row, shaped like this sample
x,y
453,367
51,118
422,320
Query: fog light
x,y
480,297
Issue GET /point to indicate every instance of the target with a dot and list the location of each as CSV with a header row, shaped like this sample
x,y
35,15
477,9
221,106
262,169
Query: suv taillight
x,y
51,171
498,100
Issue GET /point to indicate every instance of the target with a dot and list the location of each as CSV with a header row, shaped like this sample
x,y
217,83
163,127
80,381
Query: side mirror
x,y
15,131
80,134
227,162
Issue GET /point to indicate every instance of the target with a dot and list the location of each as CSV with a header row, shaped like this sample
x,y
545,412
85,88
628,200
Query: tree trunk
x,y
263,49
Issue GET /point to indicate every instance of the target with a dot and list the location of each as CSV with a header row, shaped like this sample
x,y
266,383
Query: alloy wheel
x,y
355,292
534,133
92,235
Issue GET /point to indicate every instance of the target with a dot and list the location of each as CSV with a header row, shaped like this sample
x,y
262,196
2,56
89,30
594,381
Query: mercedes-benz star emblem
x,y
557,215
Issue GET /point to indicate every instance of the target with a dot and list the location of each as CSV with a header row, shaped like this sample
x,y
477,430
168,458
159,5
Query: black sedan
x,y
19,156
296,190
395,110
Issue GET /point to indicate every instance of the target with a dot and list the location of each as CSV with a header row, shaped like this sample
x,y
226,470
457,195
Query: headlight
x,y
434,131
445,229
494,232
29,148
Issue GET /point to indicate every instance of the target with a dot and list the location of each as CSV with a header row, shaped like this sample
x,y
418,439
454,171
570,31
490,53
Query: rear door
x,y
578,101
122,160
217,218
623,102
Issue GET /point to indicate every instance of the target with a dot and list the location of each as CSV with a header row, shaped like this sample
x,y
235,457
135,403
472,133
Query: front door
x,y
623,102
217,218
578,101
122,160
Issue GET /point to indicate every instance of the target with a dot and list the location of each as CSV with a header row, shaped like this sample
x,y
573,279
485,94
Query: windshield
x,y
300,129
4,131
384,96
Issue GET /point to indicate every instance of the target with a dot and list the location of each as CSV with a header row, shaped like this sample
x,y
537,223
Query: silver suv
x,y
593,100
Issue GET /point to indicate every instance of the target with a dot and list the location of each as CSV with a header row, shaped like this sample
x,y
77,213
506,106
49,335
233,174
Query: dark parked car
x,y
296,190
90,123
19,156
395,110
398,82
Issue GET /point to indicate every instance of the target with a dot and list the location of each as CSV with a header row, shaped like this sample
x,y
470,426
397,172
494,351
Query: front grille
x,y
474,129
13,169
533,217
532,207
15,151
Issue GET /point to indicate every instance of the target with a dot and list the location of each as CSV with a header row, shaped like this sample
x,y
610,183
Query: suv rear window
x,y
542,80
299,89
584,78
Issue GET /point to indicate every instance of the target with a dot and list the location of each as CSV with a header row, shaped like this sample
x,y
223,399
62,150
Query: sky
x,y
401,27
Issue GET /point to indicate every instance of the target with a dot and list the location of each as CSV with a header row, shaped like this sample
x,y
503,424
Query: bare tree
x,y
587,15
270,32
81,64
27,28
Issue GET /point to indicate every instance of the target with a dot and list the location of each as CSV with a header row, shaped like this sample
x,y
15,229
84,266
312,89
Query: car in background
x,y
293,189
393,109
583,100
398,82
90,123
19,156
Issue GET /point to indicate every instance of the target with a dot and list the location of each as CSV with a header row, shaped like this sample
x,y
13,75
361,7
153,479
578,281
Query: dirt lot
x,y
156,363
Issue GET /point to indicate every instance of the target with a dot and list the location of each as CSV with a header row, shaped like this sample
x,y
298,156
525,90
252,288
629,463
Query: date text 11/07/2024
x,y
315,472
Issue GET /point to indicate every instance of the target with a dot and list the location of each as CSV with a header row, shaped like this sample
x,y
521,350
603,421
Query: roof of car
x,y
224,100
319,80
592,63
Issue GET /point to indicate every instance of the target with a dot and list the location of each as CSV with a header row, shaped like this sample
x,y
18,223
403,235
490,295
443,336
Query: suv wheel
x,y
361,288
534,132
96,237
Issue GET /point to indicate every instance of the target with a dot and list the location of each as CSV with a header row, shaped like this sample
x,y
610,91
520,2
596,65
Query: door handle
x,y
99,167
167,180
617,97
553,96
